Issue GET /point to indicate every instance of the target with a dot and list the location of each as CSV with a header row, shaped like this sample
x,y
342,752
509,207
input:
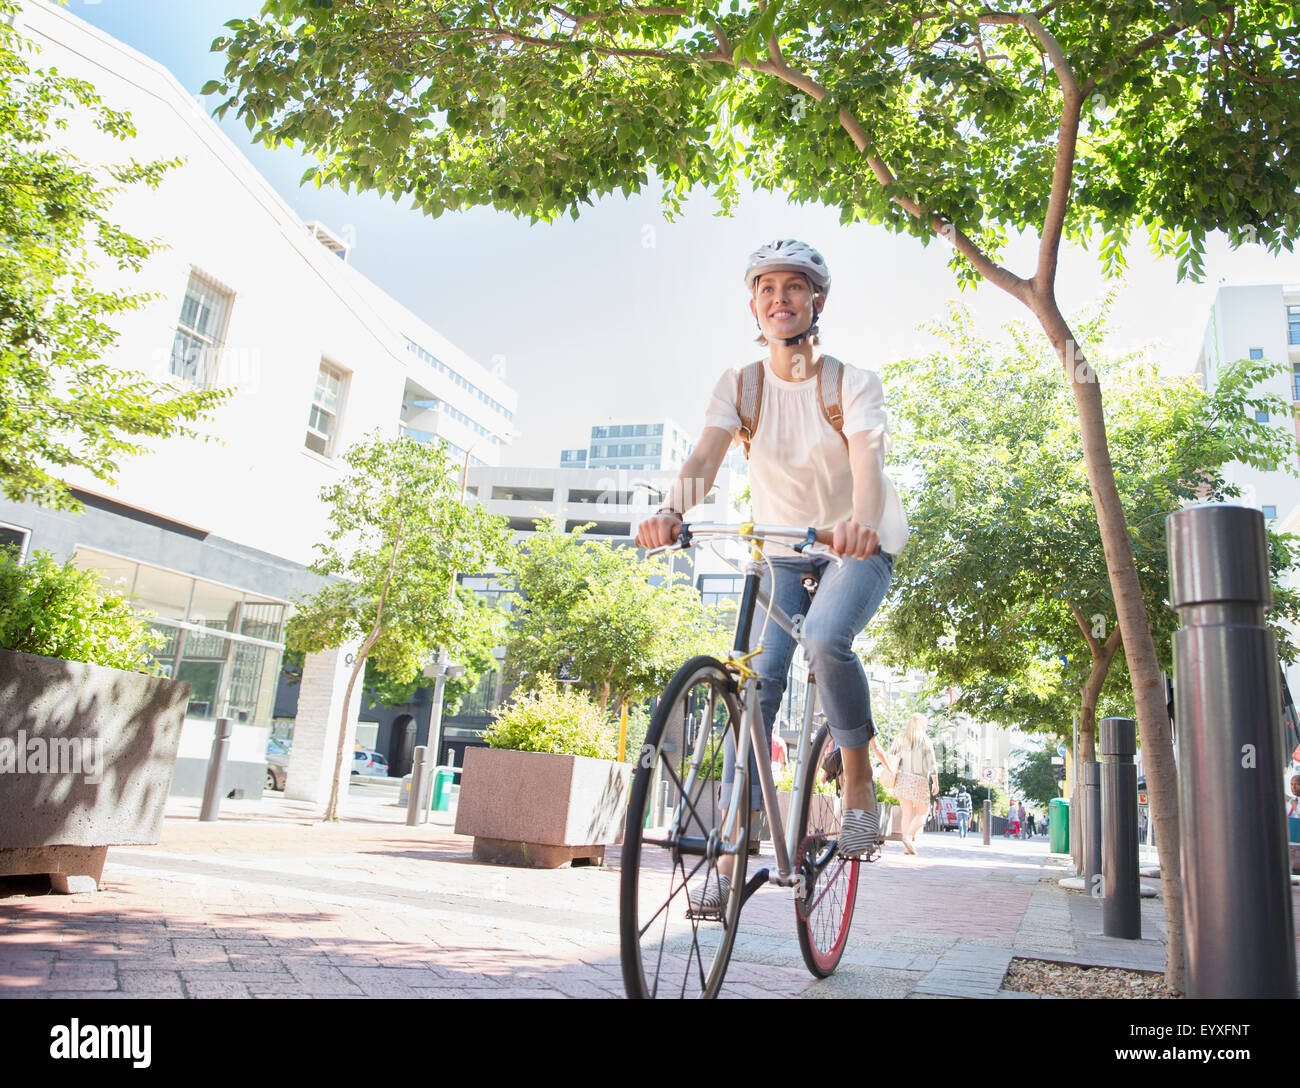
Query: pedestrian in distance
x,y
815,433
913,755
964,807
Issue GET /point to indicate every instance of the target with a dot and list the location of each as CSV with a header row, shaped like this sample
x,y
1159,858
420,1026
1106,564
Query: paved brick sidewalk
x,y
268,903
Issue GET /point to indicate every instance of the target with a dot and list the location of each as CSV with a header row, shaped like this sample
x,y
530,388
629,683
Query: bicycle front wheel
x,y
672,943
828,883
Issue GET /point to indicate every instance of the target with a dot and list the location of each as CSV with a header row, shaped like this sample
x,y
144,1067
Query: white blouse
x,y
799,469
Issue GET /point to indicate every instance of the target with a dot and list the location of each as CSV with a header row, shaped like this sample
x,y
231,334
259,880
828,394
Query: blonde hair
x,y
914,730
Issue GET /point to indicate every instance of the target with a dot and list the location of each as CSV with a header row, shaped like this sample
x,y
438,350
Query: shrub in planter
x,y
548,718
547,790
59,610
88,727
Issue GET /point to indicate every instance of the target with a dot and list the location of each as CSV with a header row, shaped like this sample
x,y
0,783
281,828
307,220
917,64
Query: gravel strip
x,y
1071,980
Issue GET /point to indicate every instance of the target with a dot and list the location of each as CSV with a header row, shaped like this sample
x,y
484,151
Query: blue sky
x,y
623,315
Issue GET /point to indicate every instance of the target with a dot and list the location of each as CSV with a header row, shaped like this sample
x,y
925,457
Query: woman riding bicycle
x,y
803,472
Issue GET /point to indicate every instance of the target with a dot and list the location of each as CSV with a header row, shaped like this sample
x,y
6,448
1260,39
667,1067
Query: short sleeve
x,y
864,404
721,411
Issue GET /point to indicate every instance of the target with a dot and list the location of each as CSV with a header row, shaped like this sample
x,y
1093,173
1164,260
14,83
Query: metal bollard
x,y
216,771
1235,863
1090,825
414,802
1121,900
986,821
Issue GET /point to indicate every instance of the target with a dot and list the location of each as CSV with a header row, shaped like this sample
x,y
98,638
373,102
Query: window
x,y
1261,417
638,450
326,403
200,331
1257,353
1270,513
640,429
1295,381
658,429
1293,324
13,537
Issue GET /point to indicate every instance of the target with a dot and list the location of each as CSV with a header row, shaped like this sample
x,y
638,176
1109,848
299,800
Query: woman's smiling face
x,y
782,304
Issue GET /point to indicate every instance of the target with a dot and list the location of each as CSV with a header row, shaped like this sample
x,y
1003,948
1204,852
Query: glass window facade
x,y
224,642
1293,324
457,378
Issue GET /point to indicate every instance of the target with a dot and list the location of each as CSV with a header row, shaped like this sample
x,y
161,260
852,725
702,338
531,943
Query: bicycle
x,y
678,830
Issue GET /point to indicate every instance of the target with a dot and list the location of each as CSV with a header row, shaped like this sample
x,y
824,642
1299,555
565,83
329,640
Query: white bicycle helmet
x,y
788,255
791,255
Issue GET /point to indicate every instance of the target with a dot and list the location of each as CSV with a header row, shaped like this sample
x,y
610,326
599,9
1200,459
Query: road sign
x,y
1060,750
990,773
1058,761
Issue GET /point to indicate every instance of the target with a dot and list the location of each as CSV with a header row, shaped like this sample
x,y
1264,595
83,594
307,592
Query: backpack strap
x,y
830,394
749,401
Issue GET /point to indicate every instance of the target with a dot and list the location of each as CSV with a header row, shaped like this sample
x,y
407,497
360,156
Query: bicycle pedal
x,y
704,914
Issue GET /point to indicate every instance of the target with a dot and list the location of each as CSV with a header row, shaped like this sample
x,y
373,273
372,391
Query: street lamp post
x,y
442,668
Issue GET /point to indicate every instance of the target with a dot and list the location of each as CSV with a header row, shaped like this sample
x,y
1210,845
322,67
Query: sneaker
x,y
859,834
708,901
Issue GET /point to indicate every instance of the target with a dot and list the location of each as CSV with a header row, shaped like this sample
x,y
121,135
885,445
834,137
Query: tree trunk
x,y
332,808
1139,647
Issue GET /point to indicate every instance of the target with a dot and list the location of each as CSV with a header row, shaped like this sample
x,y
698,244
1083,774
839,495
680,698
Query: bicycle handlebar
x,y
687,536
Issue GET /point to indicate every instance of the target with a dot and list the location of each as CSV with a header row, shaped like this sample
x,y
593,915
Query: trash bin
x,y
442,782
1058,819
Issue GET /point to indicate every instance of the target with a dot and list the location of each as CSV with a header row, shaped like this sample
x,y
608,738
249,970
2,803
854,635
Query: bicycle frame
x,y
753,738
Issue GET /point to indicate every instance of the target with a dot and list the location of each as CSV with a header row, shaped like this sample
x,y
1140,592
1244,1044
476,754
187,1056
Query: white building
x,y
1259,322
615,501
644,445
214,536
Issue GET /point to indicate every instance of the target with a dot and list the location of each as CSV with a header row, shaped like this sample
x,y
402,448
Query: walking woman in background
x,y
917,779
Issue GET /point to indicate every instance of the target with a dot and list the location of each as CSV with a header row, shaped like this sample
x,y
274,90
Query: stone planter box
x,y
540,809
86,761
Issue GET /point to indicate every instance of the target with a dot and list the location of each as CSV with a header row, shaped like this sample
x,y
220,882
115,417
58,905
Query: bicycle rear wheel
x,y
671,844
828,882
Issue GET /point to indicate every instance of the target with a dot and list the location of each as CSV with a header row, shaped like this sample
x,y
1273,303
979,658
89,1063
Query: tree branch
x,y
1049,241
778,66
1140,48
1088,635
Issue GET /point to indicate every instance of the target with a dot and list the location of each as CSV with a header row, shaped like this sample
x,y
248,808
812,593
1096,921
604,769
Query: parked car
x,y
277,765
371,763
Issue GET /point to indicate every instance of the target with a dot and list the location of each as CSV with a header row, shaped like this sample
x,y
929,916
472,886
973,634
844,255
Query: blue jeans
x,y
847,597
963,823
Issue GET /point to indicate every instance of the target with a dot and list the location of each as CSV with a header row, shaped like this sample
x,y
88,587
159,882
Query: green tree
x,y
1003,591
963,123
61,406
480,629
1032,777
398,535
594,610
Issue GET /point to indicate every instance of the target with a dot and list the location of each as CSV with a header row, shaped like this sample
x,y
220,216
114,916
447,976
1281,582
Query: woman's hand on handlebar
x,y
658,531
854,540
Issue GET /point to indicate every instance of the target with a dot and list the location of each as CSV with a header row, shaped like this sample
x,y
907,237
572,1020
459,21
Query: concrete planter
x,y
86,760
540,809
